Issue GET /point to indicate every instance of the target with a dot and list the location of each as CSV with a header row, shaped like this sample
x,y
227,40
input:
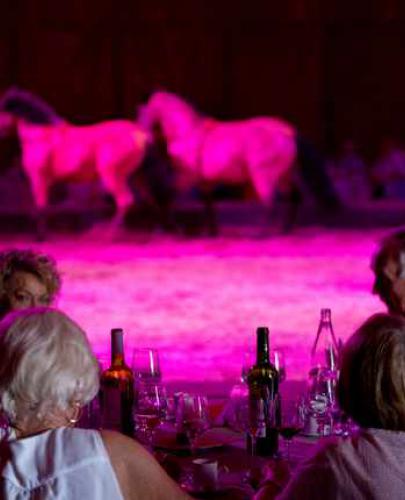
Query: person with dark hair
x,y
159,179
369,464
388,265
27,279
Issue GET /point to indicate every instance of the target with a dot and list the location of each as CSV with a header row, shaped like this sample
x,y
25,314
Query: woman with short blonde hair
x,y
47,373
27,279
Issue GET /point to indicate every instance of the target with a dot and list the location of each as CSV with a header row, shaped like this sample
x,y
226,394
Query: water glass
x,y
145,365
149,410
236,411
192,417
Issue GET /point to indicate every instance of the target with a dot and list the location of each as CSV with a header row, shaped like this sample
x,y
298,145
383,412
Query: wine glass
x,y
291,424
250,418
192,417
247,362
256,421
145,365
149,410
278,360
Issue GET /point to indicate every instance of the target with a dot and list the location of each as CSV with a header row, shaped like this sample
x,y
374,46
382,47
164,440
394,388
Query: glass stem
x,y
288,443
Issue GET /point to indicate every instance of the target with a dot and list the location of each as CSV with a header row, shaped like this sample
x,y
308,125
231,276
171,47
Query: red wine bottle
x,y
117,389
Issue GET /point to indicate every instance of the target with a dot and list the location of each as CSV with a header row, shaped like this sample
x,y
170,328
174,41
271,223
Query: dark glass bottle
x,y
117,389
264,399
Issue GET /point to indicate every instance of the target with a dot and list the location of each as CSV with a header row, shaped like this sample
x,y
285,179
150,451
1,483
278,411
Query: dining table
x,y
239,472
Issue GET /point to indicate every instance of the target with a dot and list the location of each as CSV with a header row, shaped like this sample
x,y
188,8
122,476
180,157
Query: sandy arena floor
x,y
199,301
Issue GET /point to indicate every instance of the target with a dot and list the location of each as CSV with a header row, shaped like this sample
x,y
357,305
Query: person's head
x,y
47,369
8,124
388,265
27,279
371,387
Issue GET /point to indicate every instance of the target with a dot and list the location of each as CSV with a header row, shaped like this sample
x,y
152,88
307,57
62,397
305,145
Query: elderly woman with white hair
x,y
47,373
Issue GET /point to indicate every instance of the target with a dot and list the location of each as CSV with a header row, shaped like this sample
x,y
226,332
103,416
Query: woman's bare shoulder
x,y
117,443
138,473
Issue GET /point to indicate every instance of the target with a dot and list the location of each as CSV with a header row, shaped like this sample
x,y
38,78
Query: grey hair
x,y
371,387
46,364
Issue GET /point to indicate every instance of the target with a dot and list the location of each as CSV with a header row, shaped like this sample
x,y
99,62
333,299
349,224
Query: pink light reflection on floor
x,y
199,301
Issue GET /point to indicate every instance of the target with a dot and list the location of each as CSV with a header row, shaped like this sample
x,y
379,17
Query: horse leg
x,y
39,189
124,200
290,203
209,208
266,179
158,188
116,184
314,174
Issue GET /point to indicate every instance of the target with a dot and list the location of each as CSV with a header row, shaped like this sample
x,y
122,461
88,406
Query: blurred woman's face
x,y
397,286
27,290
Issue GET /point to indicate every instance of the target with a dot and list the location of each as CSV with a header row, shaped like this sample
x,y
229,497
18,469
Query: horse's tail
x,y
28,106
312,168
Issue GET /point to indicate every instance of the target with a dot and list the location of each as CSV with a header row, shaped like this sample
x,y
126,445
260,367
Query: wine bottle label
x,y
111,408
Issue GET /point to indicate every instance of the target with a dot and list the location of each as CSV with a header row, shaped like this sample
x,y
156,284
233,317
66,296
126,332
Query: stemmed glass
x,y
145,365
291,424
247,363
149,410
192,417
277,359
249,416
256,422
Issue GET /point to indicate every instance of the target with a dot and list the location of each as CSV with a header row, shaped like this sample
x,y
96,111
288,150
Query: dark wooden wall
x,y
335,68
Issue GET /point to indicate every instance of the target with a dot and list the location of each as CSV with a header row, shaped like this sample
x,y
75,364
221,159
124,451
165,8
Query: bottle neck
x,y
263,347
325,348
117,347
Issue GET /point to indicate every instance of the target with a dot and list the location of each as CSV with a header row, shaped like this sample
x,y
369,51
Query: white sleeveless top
x,y
65,463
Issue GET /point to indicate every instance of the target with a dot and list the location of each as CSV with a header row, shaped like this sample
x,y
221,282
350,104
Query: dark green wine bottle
x,y
263,384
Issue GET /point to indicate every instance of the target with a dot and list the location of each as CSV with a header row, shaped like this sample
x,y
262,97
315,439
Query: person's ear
x,y
390,270
76,413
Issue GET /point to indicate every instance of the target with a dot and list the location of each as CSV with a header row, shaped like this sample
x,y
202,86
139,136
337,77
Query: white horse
x,y
55,150
263,150
259,150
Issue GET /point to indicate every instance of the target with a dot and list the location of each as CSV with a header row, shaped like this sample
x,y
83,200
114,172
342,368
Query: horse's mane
x,y
28,106
173,100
